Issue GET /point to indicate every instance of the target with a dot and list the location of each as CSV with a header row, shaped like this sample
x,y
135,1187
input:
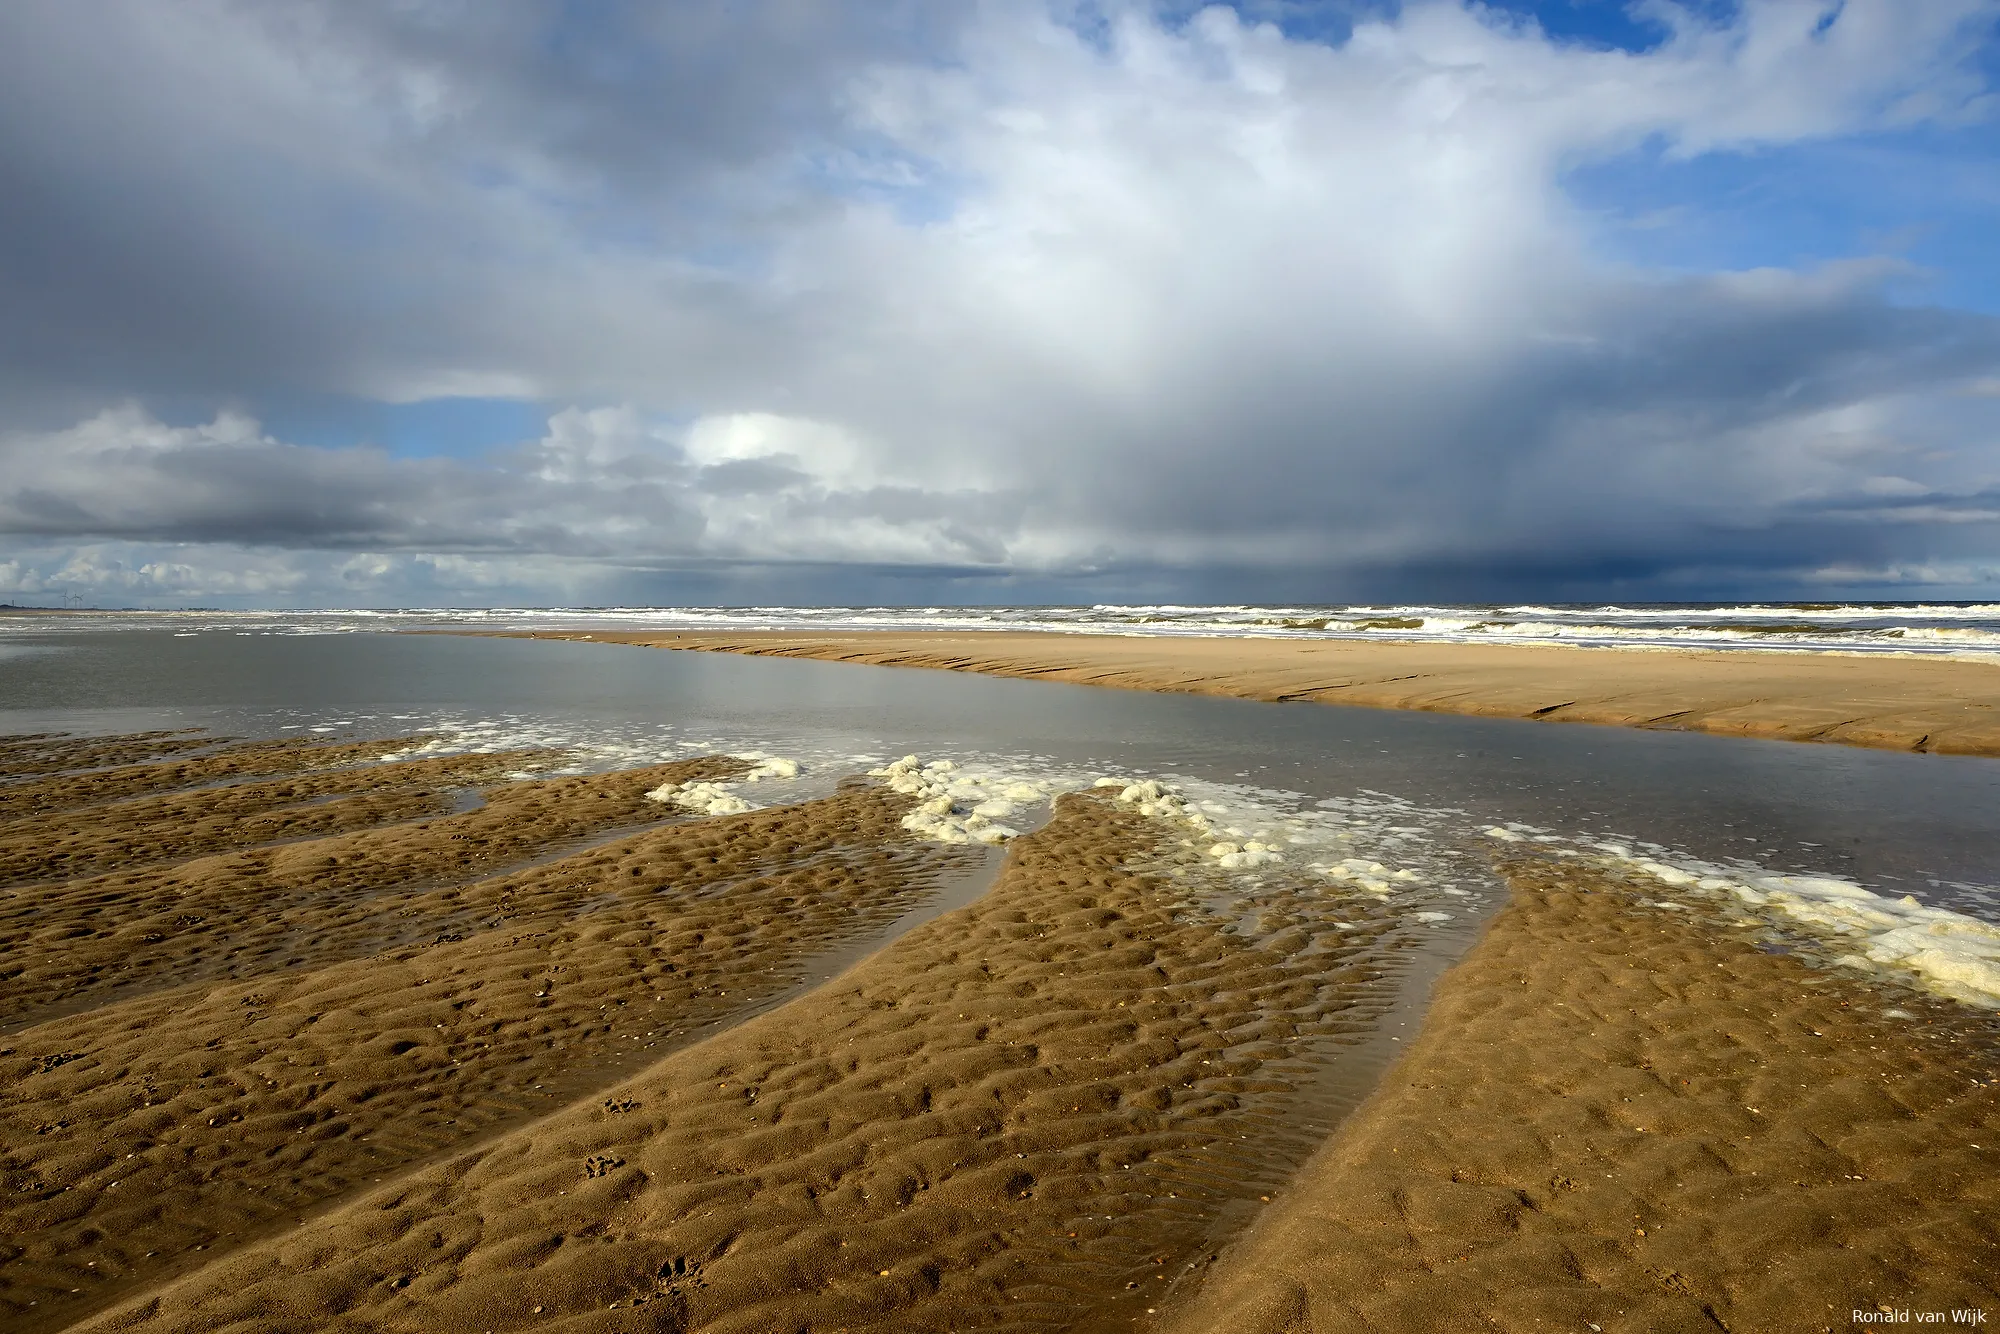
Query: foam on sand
x,y
1229,839
1952,954
965,804
1209,828
1219,834
721,798
1947,953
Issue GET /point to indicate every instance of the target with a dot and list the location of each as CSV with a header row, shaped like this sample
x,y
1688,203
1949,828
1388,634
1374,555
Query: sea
x,y
1953,629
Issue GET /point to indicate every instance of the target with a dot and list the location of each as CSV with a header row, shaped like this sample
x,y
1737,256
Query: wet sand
x,y
1629,1119
1939,705
420,1002
1018,1116
602,1076
296,1037
145,925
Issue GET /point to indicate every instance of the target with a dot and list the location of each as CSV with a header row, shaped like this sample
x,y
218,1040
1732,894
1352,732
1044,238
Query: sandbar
x,y
1946,706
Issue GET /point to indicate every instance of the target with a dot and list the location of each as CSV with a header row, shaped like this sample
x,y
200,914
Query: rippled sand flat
x,y
365,1036
1632,1119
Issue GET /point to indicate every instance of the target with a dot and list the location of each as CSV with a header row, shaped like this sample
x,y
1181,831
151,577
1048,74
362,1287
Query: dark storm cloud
x,y
222,198
1064,293
127,477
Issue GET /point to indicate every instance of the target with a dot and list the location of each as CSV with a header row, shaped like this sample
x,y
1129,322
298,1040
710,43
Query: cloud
x,y
1102,297
601,485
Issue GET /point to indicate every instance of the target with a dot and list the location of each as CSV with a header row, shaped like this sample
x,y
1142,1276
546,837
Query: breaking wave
x,y
1963,630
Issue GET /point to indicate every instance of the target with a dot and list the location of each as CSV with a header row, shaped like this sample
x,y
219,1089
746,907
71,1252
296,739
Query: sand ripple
x,y
1636,1120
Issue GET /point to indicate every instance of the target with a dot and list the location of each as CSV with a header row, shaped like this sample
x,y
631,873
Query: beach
x,y
1014,667
1628,1118
458,1031
998,1114
1937,705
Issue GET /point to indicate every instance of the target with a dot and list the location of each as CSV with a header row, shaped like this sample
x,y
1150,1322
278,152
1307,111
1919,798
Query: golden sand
x,y
1636,1120
293,1038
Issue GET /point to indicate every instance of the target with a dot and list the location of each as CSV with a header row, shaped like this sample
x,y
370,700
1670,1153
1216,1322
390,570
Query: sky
x,y
375,303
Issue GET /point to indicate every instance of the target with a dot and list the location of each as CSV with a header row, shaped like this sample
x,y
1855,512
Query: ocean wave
x,y
1969,630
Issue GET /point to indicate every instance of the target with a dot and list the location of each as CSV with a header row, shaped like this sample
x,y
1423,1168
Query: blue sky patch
x,y
460,428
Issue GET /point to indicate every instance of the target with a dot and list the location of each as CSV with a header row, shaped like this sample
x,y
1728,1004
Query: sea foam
x,y
1944,952
722,798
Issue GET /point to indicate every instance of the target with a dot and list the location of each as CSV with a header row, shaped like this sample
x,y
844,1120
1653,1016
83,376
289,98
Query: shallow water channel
x,y
1921,824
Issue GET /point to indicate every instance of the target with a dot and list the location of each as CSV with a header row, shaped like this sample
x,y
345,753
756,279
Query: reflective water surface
x,y
1902,823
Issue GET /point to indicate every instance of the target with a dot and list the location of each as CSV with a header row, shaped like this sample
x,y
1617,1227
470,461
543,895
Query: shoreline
x,y
1927,705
